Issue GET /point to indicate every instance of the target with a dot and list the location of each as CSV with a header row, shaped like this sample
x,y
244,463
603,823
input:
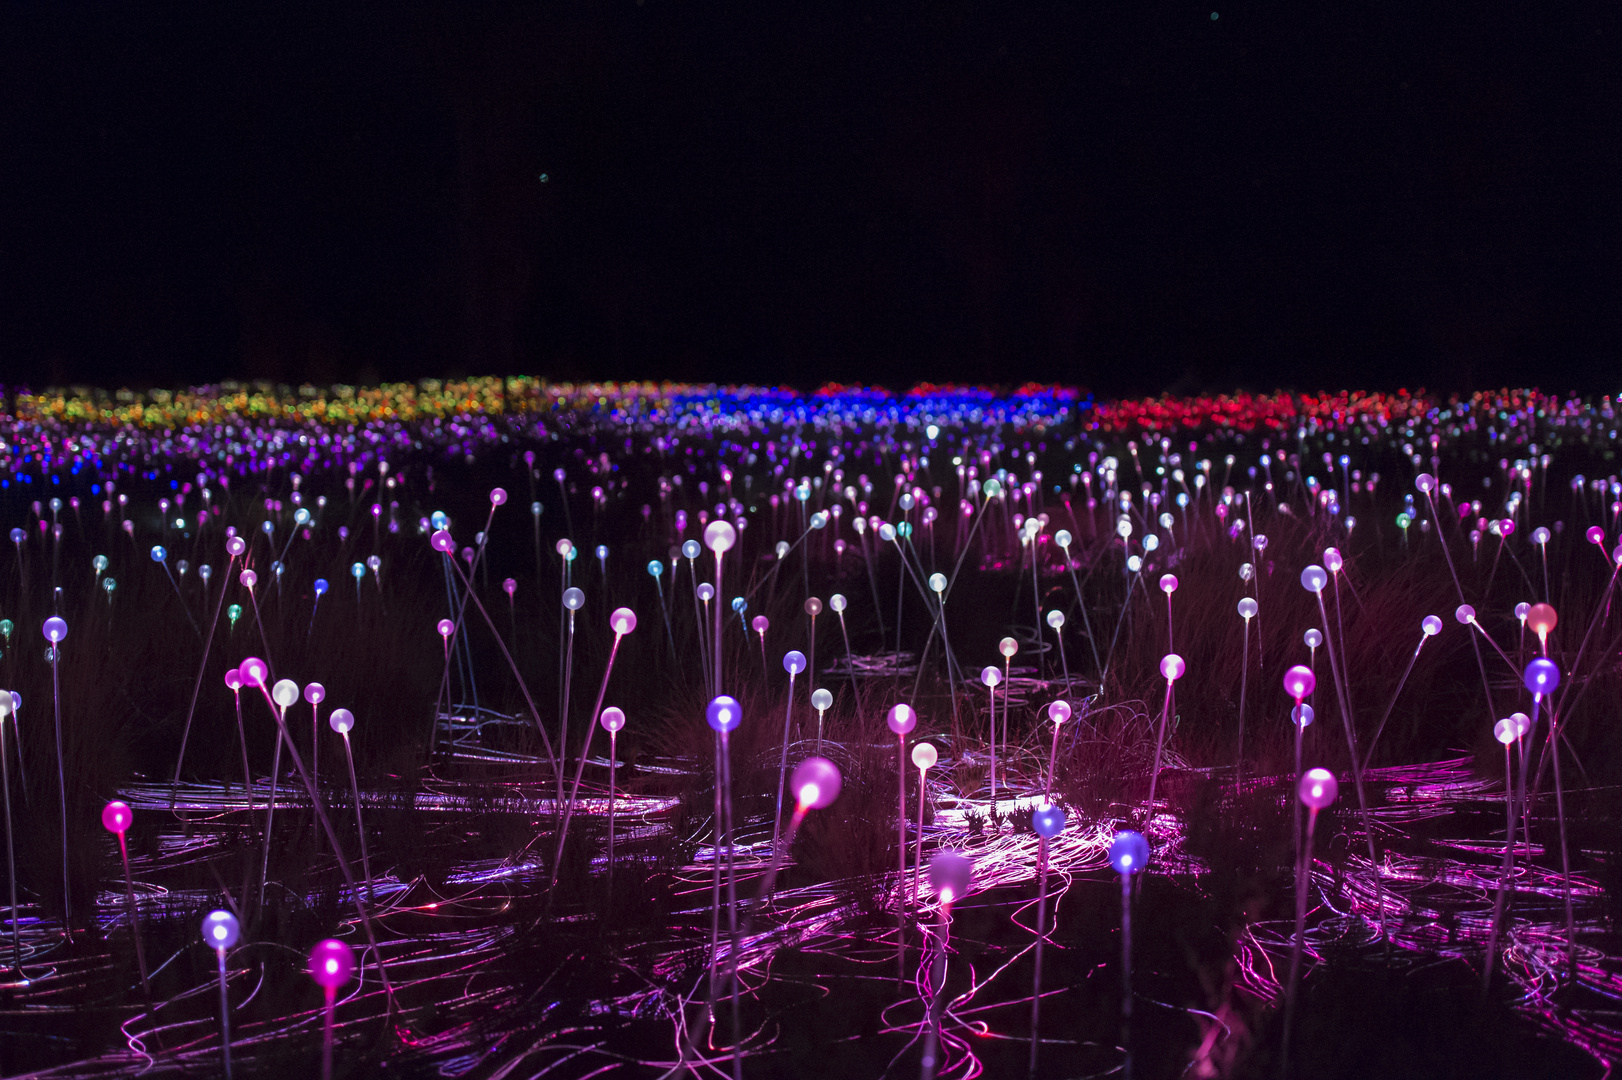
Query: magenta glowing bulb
x,y
446,628
1464,614
902,719
1596,535
623,620
255,671
116,817
1318,788
1425,482
442,542
1168,583
234,680
1059,712
759,624
1172,667
498,496
509,586
612,719
235,546
816,782
331,964
1299,682
315,693
248,578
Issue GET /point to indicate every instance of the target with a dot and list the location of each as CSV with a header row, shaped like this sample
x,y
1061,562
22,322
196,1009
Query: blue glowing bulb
x,y
1048,821
320,586
1129,852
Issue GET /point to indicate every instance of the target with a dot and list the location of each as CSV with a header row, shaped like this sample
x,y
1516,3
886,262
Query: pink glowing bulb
x,y
813,606
235,546
509,586
234,680
442,542
498,496
1596,535
331,964
1059,712
446,628
255,671
1523,723
248,578
1008,647
816,782
116,817
315,693
1299,682
1333,560
1172,667
759,624
622,621
1168,583
1318,789
1430,625
1425,482
612,719
902,719
1542,619
1464,614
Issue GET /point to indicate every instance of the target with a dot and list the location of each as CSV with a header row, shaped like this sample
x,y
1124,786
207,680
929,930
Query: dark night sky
x,y
1132,196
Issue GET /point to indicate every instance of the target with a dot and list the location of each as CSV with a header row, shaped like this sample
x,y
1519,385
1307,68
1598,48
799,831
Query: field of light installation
x,y
506,729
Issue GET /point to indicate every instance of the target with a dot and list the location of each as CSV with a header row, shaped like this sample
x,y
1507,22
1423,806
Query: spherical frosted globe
x,y
331,964
1333,560
706,592
1062,538
1542,676
1302,716
1542,618
446,628
498,496
821,699
1523,723
1172,667
54,629
221,930
1464,614
159,554
794,661
623,620
1425,482
724,714
315,693
1248,607
719,536
1505,731
902,719
284,693
248,578
442,542
924,755
1317,789
1312,639
690,549
990,675
760,624
1168,583
574,599
1008,647
815,783
1047,821
116,817
235,546
813,606
612,719
837,602
1431,625
1059,711
255,671
1540,536
1129,852
342,721
1299,681
1522,610
1314,578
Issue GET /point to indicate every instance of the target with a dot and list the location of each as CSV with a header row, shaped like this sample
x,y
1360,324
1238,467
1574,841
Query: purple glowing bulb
x,y
1168,583
794,661
902,719
221,930
1299,682
815,783
116,817
990,675
498,496
254,671
1059,712
1317,789
54,630
1129,852
1430,625
342,721
951,875
234,680
1047,821
1542,676
1464,614
331,964
1314,578
724,714
612,719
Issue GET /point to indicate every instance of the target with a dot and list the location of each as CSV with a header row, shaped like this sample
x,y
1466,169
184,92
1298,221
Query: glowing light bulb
x,y
623,620
1425,482
1505,731
760,624
1430,625
794,661
284,693
837,602
1129,852
724,713
573,598
1312,639
1168,583
902,718
816,782
1318,789
1542,676
1172,667
951,875
1008,647
990,675
1299,682
1542,619
719,536
55,630
315,693
1047,821
342,721
706,592
1248,607
1302,716
254,671
813,606
937,582
116,817
1314,578
1523,723
612,719
924,756
331,964
821,699
248,578
221,930
1464,614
